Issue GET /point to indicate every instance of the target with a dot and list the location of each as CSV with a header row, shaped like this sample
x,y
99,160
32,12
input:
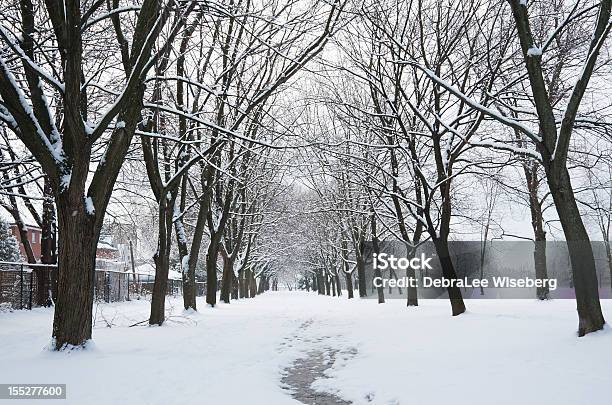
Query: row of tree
x,y
276,137
187,88
436,114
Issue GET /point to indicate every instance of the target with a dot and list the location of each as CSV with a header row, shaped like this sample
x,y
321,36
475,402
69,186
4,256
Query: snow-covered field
x,y
501,352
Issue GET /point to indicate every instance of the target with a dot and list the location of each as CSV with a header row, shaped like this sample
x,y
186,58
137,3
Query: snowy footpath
x,y
300,348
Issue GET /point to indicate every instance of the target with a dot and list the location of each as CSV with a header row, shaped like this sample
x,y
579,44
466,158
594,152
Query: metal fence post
x,y
21,287
106,287
31,290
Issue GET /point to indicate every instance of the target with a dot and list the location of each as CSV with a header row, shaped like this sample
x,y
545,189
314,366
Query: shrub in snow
x,y
5,307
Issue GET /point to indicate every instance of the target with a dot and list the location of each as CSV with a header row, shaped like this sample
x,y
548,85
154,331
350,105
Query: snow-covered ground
x,y
502,352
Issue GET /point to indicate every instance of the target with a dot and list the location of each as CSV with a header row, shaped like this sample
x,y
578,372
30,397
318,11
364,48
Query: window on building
x,y
33,237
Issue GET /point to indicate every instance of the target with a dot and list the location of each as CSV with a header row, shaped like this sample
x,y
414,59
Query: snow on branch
x,y
54,149
39,70
97,19
474,104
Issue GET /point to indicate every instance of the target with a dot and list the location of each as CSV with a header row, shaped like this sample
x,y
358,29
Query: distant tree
x,y
9,250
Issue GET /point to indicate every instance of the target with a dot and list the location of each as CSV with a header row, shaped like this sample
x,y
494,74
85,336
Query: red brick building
x,y
34,235
105,249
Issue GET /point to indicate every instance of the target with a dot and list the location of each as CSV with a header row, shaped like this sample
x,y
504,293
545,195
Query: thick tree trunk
x,y
449,273
211,275
78,239
190,288
412,293
227,279
349,284
539,258
262,284
379,290
320,284
361,279
241,284
338,284
188,277
537,224
327,286
252,285
234,285
162,262
609,257
376,248
584,272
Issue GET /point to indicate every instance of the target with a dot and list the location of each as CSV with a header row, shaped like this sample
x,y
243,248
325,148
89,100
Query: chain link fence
x,y
19,285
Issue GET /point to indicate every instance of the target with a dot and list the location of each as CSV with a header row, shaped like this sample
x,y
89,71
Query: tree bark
x,y
449,273
162,261
78,239
584,272
376,249
349,284
338,285
227,278
413,298
361,281
252,285
241,283
234,286
48,282
211,275
539,258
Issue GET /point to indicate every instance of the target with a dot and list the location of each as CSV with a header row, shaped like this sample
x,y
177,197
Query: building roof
x,y
106,246
149,269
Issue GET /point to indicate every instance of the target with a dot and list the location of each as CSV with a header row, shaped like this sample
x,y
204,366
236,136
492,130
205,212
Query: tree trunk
x,y
234,285
190,288
262,284
338,285
47,284
539,257
376,249
162,262
412,293
227,278
361,280
537,224
78,240
211,275
241,284
349,284
320,284
449,273
252,285
584,272
609,257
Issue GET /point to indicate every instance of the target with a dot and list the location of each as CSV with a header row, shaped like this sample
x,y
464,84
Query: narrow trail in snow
x,y
303,372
